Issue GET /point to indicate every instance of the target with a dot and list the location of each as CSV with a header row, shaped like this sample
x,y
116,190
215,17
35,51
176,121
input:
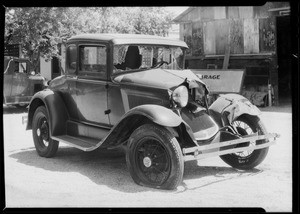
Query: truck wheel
x,y
44,145
245,160
154,157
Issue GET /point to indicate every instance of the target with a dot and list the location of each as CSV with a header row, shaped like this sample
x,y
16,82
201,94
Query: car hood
x,y
160,78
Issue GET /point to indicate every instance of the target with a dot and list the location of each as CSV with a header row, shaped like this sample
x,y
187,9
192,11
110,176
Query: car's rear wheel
x,y
44,145
154,157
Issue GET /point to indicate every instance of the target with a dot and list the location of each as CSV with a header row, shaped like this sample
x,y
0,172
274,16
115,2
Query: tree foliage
x,y
40,29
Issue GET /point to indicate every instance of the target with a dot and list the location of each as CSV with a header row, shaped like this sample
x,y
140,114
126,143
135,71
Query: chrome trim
x,y
231,142
228,151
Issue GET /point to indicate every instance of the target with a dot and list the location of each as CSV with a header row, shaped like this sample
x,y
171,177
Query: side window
x,y
71,59
16,67
92,61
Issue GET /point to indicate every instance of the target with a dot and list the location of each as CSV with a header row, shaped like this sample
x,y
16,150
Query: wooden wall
x,y
251,30
247,36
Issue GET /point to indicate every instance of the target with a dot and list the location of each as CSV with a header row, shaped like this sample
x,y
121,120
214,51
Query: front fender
x,y
157,114
137,116
228,107
57,111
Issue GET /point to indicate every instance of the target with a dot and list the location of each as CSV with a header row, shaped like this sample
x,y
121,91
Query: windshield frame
x,y
116,71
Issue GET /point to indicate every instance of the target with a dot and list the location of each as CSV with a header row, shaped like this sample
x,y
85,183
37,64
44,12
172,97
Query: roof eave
x,y
180,16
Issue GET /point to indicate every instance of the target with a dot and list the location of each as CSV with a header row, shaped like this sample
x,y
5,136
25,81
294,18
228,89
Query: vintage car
x,y
131,91
19,82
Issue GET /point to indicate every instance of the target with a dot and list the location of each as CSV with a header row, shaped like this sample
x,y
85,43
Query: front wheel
x,y
154,157
44,145
246,125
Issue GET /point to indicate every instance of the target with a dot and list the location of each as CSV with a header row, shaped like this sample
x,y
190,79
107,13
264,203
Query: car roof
x,y
119,39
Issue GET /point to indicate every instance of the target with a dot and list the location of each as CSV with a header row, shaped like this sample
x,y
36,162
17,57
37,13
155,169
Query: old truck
x,y
132,91
20,83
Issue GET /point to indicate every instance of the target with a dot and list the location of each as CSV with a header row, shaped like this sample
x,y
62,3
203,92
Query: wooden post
x,y
227,52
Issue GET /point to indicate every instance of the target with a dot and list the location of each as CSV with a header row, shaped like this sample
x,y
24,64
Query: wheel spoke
x,y
244,129
151,158
154,150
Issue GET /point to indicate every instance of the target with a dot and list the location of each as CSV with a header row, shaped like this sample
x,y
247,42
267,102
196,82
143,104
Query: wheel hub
x,y
147,162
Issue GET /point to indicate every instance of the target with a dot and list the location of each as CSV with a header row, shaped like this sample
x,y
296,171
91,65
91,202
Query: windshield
x,y
129,57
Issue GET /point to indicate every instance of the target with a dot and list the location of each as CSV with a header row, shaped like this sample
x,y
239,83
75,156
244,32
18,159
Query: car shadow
x,y
285,106
14,110
108,167
209,175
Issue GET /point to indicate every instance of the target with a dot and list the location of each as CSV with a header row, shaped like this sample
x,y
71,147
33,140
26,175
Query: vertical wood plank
x,y
236,36
246,12
222,32
209,38
187,37
267,32
251,36
219,13
197,38
181,32
233,13
207,13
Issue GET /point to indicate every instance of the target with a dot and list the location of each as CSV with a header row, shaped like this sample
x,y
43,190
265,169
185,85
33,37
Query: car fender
x,y
57,111
139,115
228,107
157,114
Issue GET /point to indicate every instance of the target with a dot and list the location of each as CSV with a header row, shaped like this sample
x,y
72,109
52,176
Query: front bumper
x,y
200,152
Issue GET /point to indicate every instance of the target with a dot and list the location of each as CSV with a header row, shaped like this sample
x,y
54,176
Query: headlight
x,y
181,96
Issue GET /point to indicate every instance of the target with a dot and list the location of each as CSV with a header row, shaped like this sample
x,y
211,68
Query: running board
x,y
82,143
200,152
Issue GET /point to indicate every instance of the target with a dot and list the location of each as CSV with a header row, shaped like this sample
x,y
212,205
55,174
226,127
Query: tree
x,y
36,29
40,29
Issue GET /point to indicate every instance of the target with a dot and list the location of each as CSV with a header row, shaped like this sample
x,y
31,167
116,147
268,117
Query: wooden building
x,y
255,38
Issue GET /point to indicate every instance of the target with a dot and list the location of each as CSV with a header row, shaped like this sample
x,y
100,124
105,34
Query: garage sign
x,y
221,81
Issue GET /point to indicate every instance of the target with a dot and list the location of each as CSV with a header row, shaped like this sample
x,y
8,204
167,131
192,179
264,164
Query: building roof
x,y
180,16
120,39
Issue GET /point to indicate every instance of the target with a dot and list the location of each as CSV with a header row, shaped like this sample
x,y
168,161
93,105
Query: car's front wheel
x,y
44,145
154,157
247,125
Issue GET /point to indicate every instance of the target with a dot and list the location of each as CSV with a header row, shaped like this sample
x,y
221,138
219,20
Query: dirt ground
x,y
74,178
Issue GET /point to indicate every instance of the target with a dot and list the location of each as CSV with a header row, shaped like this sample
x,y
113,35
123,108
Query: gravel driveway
x,y
74,178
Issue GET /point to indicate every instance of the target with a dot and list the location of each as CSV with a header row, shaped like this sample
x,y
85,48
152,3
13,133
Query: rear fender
x,y
57,111
228,107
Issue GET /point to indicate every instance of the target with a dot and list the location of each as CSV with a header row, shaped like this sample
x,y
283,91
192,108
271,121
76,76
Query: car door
x,y
68,82
91,85
20,83
7,79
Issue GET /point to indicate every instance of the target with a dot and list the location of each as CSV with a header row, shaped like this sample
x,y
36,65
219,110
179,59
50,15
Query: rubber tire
x,y
21,106
170,144
257,156
43,151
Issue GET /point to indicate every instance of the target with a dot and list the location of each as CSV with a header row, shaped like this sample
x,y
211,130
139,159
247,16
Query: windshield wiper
x,y
160,64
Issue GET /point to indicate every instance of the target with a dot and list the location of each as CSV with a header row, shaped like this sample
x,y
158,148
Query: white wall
x,y
45,68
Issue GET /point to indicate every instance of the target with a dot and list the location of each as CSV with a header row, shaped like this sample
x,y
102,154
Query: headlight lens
x,y
181,96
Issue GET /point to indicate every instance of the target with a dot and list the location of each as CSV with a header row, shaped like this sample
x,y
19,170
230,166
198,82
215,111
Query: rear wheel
x,y
44,145
246,125
154,157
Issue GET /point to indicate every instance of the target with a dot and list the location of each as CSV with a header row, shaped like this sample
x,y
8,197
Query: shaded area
x,y
108,167
14,110
285,106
